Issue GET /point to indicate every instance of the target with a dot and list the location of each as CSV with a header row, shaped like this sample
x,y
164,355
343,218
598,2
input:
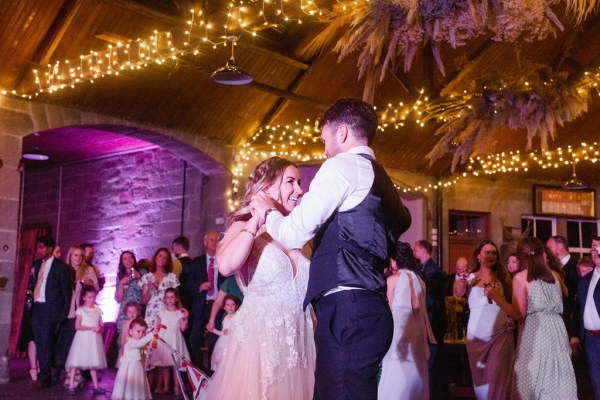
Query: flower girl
x,y
230,305
175,320
131,382
87,349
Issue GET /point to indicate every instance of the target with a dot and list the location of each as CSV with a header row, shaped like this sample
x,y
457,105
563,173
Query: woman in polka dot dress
x,y
543,368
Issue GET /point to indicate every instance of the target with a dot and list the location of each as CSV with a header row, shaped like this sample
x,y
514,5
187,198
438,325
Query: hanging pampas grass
x,y
389,32
537,102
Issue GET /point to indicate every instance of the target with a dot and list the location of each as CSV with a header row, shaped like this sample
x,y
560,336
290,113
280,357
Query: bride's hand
x,y
259,204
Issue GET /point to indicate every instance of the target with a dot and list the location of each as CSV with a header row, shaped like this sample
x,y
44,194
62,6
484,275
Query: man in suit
x,y
183,264
589,318
559,246
202,285
435,303
51,288
355,215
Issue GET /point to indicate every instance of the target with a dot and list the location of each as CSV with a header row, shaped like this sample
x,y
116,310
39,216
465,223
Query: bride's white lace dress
x,y
271,353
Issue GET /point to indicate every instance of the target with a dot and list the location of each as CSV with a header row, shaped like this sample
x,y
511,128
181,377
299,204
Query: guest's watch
x,y
268,211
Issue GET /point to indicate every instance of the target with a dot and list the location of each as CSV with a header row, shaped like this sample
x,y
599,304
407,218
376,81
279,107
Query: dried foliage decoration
x,y
389,30
537,102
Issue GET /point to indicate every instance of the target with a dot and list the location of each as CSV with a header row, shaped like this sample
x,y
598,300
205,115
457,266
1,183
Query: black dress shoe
x,y
39,385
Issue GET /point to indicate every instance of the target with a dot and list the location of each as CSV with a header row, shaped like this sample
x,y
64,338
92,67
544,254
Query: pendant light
x,y
230,74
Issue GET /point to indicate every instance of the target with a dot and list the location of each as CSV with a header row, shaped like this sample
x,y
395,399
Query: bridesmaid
x,y
128,289
490,342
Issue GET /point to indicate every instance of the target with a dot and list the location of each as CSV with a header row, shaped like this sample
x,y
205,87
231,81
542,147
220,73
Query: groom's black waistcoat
x,y
352,247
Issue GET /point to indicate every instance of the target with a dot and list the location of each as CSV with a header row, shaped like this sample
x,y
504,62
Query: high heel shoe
x,y
33,372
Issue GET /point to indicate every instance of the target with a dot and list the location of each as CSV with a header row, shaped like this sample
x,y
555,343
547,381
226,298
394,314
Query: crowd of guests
x,y
170,298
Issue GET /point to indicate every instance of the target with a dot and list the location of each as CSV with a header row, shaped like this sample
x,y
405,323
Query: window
x,y
580,234
467,224
541,227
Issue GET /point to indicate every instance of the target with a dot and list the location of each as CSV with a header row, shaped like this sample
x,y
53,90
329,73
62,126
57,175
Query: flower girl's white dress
x,y
131,382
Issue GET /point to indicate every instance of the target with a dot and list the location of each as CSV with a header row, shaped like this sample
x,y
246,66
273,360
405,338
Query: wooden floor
x,y
20,386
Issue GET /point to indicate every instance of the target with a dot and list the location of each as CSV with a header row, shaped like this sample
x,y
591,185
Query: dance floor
x,y
20,386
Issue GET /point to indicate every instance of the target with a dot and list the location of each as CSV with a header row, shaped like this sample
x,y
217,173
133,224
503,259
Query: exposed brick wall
x,y
124,202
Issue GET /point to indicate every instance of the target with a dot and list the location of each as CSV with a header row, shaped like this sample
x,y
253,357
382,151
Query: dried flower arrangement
x,y
538,101
386,30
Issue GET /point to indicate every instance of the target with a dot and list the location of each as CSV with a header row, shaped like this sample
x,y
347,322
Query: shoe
x,y
33,372
39,385
71,391
99,390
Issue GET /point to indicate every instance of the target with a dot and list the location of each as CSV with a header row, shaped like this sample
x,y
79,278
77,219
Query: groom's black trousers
x,y
354,332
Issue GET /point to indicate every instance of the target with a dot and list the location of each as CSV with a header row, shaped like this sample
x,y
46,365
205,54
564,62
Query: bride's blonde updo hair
x,y
268,172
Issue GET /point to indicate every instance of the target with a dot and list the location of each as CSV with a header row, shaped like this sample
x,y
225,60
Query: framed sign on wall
x,y
556,201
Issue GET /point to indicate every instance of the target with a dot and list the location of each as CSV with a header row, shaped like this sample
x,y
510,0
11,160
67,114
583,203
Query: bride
x,y
271,351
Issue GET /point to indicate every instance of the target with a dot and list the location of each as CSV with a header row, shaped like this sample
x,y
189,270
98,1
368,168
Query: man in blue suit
x,y
51,288
589,300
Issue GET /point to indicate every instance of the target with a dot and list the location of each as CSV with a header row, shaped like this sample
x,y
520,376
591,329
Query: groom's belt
x,y
340,289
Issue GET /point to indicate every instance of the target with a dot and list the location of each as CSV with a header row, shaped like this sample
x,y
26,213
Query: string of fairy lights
x,y
298,142
200,33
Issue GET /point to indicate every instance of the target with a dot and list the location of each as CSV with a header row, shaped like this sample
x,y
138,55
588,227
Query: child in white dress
x,y
131,382
133,311
87,349
174,320
230,305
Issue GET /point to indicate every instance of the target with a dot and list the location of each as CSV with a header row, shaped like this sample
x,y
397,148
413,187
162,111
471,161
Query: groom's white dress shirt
x,y
341,184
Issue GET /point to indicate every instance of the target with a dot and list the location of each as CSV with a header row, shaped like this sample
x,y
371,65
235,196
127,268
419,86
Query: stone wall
x,y
126,202
19,118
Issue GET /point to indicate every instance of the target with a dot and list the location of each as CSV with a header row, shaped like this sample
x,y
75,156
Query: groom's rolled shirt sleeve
x,y
332,184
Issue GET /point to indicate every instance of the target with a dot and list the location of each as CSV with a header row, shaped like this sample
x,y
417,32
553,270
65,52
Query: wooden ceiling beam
x,y
180,21
53,37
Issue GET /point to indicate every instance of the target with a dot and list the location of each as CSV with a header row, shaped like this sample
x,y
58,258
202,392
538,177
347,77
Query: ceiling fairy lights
x,y
199,32
516,161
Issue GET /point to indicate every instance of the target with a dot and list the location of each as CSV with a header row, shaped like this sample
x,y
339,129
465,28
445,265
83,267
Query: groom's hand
x,y
261,202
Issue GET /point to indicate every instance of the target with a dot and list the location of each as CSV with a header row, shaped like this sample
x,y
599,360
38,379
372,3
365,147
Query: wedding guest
x,y
589,318
512,265
490,342
585,265
228,287
202,286
88,256
434,282
405,372
81,275
51,289
155,283
543,367
128,288
57,252
559,247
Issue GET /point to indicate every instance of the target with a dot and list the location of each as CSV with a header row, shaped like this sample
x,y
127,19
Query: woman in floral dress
x,y
155,284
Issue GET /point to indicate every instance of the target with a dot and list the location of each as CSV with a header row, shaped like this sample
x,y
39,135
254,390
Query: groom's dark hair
x,y
359,116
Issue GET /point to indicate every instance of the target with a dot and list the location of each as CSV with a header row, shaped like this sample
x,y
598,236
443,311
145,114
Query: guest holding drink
x,y
128,288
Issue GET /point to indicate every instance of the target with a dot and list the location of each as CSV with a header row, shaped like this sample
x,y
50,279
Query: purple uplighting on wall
x,y
129,201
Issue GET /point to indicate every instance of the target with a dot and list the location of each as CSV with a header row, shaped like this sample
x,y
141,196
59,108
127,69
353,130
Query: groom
x,y
355,215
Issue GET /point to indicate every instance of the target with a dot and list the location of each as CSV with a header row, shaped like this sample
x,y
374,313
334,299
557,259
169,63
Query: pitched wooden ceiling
x,y
288,85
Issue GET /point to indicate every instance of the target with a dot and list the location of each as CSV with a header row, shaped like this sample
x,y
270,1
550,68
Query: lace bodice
x,y
269,272
271,346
